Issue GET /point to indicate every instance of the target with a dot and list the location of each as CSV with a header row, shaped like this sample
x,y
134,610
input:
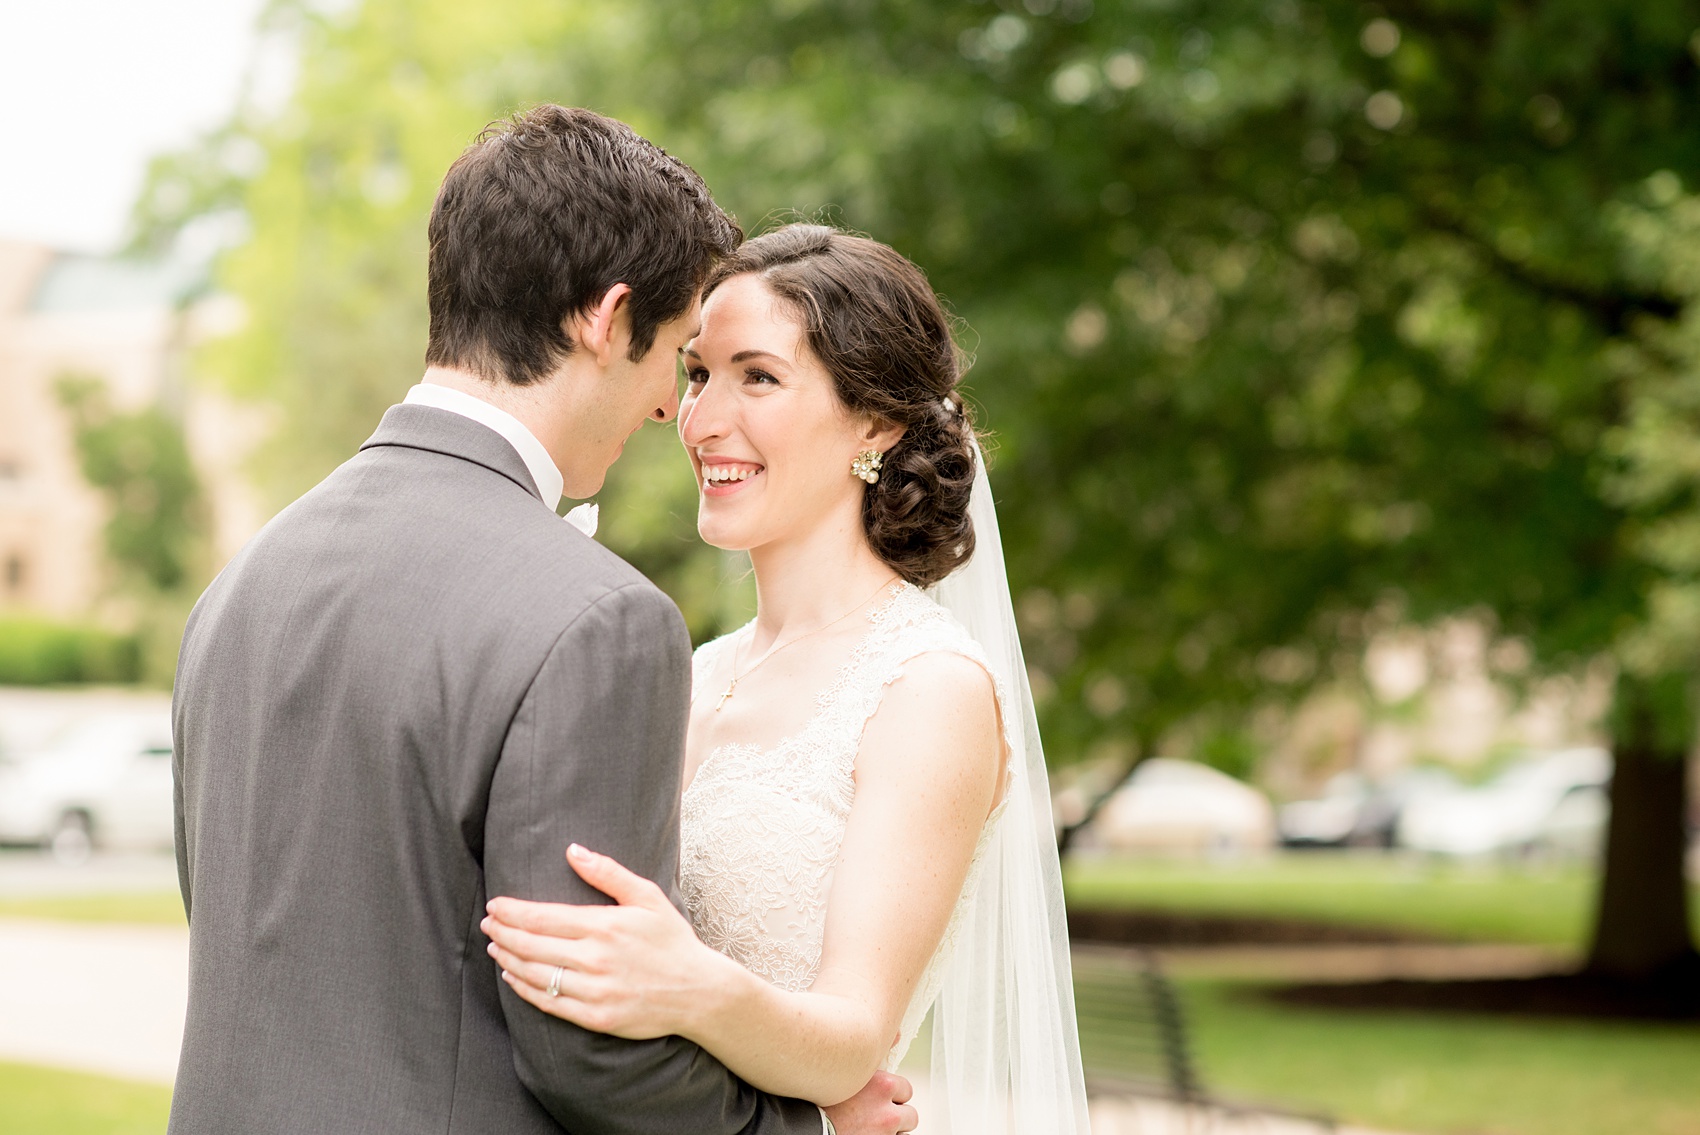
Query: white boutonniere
x,y
584,518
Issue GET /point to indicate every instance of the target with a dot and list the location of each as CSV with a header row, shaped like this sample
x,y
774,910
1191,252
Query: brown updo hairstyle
x,y
873,321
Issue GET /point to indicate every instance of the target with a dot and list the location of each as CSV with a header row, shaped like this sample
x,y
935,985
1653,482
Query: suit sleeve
x,y
180,833
594,755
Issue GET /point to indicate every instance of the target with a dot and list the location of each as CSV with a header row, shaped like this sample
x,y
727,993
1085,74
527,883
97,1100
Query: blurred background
x,y
1341,362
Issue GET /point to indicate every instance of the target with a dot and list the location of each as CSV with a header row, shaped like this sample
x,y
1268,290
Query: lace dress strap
x,y
905,628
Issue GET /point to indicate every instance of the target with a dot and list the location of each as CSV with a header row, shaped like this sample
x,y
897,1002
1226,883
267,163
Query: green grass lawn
x,y
1426,1073
1547,906
1449,1074
1431,1074
42,1101
156,909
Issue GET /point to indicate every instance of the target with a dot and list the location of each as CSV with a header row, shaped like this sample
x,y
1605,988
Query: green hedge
x,y
35,652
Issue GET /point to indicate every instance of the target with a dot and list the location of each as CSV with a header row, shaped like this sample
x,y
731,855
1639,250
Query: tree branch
x,y
1610,309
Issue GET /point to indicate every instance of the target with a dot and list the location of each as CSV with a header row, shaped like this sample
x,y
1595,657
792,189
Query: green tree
x,y
140,462
156,524
1292,316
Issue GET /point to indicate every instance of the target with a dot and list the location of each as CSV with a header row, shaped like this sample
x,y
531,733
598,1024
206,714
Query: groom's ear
x,y
604,331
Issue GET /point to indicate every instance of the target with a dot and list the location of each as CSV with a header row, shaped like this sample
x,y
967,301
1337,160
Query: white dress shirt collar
x,y
550,484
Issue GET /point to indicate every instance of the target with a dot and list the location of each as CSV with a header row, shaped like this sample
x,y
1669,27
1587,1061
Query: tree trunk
x,y
1641,928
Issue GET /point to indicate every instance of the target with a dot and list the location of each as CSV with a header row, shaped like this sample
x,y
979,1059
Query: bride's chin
x,y
716,537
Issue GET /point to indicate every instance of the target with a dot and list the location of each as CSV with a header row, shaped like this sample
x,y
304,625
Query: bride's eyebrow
x,y
744,356
741,356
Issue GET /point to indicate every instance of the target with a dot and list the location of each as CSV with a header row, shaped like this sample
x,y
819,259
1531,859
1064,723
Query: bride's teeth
x,y
724,474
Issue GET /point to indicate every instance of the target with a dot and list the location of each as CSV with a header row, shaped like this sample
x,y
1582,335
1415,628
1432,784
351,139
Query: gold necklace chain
x,y
736,677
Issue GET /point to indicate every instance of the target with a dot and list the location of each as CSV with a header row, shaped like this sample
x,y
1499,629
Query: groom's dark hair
x,y
540,217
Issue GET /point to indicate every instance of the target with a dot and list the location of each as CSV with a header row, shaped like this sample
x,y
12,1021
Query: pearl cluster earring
x,y
867,466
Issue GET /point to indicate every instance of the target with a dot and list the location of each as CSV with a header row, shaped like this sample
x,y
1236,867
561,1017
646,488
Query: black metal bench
x,y
1134,1043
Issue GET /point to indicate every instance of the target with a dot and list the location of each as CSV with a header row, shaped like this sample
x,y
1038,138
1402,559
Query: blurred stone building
x,y
129,324
1452,694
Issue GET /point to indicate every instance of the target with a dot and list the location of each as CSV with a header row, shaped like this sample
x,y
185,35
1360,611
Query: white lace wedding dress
x,y
761,828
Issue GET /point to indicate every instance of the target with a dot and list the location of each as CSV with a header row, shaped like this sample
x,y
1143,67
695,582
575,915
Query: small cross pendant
x,y
724,696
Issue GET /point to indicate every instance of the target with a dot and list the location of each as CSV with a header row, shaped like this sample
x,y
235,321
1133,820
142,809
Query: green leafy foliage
x,y
1279,332
155,543
1655,449
37,652
140,462
1291,317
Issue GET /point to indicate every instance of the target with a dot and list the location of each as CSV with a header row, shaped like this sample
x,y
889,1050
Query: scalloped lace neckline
x,y
878,616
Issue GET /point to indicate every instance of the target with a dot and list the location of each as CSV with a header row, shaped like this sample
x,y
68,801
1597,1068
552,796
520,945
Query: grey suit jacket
x,y
412,690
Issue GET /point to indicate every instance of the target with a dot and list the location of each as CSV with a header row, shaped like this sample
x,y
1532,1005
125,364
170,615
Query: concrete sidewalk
x,y
1135,1115
1112,1116
1333,964
104,999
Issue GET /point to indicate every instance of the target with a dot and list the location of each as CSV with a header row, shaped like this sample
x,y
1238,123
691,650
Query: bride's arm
x,y
927,775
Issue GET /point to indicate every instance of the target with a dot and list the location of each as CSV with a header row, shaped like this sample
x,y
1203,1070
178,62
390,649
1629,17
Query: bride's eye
x,y
760,376
696,376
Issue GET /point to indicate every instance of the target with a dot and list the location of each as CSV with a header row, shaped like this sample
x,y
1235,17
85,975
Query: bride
x,y
865,825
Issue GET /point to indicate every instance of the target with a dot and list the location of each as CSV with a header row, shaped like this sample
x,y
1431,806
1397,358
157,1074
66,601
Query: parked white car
x,y
1576,826
1354,811
105,782
1328,820
1182,806
1545,801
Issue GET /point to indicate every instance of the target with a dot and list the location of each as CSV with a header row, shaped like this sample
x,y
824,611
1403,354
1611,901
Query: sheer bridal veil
x,y
1005,1051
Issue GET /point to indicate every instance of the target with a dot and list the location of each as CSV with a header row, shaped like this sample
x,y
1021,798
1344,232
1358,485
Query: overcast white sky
x,y
90,89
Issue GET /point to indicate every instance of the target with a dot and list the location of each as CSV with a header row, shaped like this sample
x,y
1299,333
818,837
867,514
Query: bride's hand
x,y
636,970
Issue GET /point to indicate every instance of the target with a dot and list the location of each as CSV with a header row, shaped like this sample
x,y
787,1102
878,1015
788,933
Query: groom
x,y
416,686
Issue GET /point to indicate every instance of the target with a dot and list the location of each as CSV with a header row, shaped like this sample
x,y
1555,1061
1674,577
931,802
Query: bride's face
x,y
769,440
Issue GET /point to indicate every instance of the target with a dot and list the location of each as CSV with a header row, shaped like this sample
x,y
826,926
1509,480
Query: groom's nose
x,y
669,409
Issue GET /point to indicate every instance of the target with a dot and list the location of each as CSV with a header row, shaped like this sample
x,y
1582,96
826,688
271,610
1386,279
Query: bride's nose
x,y
701,417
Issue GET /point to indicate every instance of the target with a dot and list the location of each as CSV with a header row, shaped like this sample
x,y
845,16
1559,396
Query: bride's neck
x,y
805,583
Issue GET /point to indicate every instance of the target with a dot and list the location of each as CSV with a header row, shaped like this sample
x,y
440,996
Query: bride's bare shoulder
x,y
938,663
938,718
949,681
